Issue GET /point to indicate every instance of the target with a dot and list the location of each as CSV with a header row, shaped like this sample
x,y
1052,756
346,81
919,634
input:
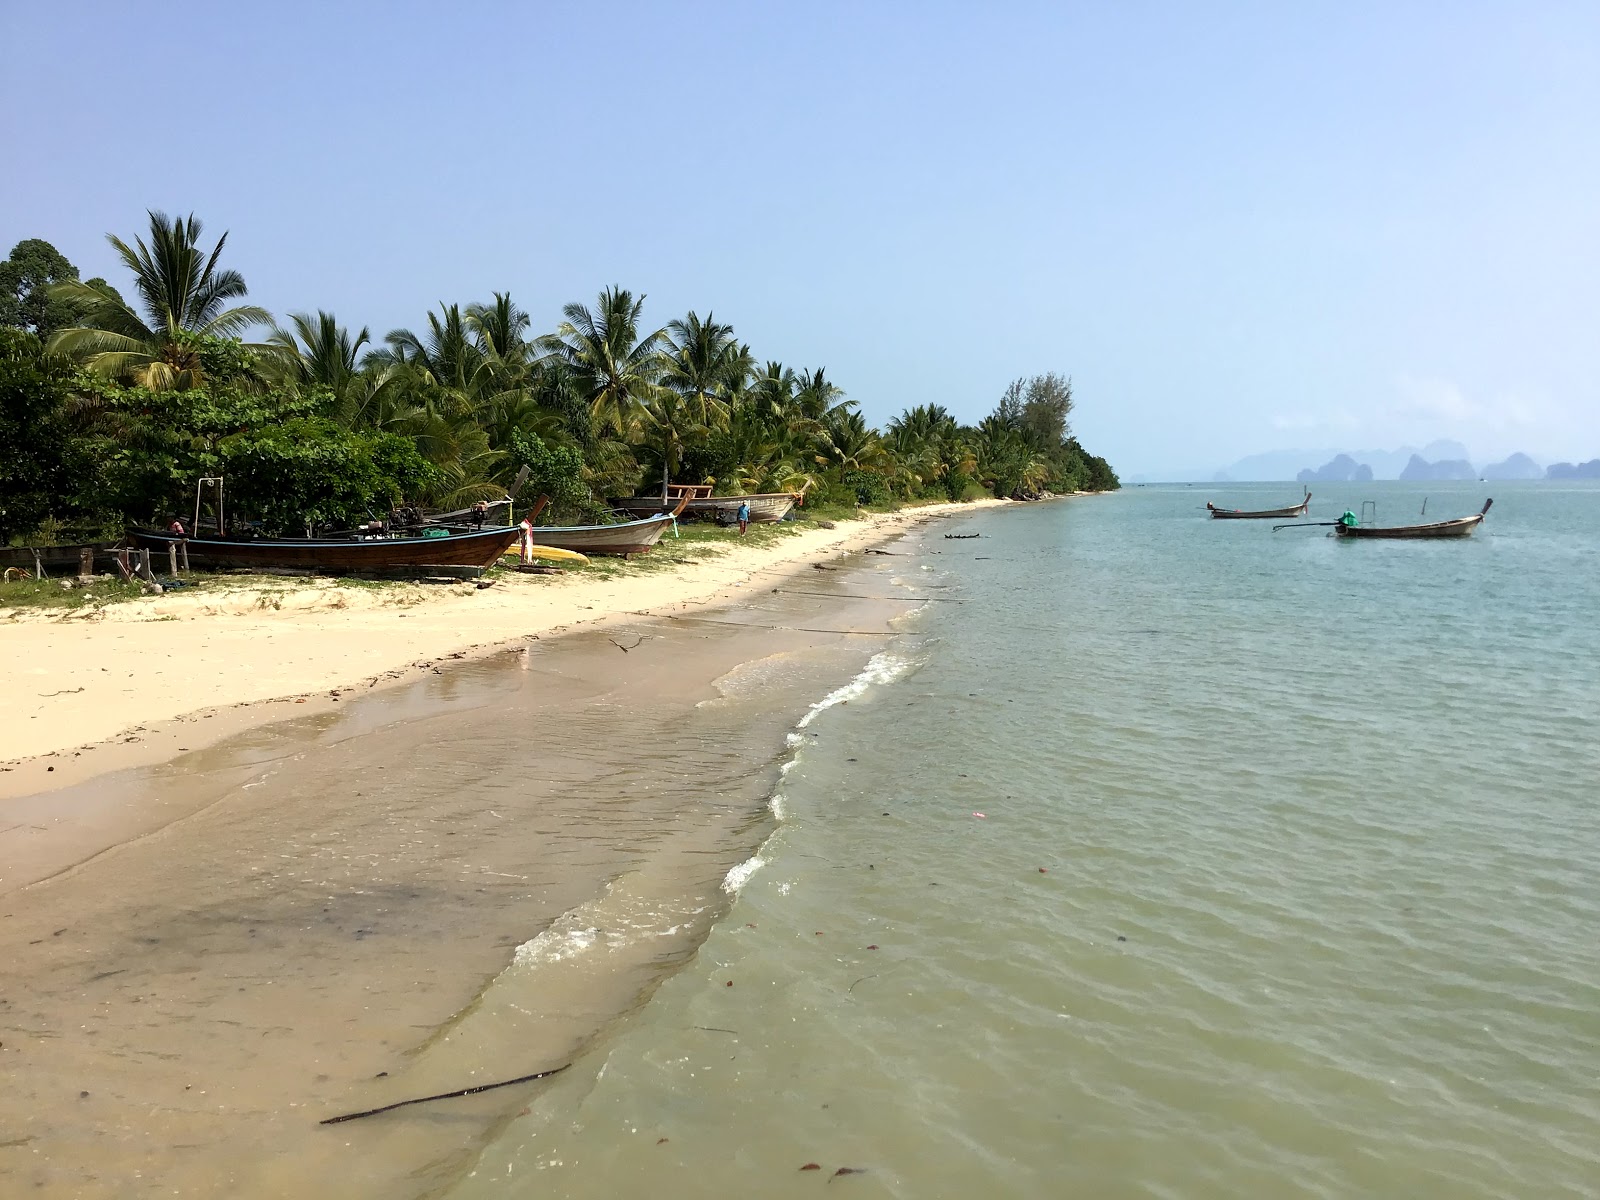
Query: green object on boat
x,y
435,533
1349,520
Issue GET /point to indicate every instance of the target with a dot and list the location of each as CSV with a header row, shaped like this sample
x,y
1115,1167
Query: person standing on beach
x,y
744,516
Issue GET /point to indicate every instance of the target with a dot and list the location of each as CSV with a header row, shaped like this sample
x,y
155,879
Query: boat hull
x,y
765,507
1234,514
626,538
1460,527
478,549
55,558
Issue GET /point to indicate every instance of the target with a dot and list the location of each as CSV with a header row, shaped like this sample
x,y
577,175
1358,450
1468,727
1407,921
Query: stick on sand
x,y
471,1091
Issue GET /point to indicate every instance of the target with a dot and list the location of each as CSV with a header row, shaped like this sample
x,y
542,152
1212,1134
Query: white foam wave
x,y
554,945
614,921
741,875
884,667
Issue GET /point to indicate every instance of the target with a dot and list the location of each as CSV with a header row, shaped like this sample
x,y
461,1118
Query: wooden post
x,y
38,565
145,572
172,558
124,565
86,562
185,545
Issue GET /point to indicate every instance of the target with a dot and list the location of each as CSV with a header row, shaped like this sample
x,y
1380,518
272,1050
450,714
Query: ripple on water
x,y
1316,919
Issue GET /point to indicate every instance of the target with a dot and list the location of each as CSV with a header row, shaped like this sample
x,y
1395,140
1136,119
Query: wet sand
x,y
206,957
134,683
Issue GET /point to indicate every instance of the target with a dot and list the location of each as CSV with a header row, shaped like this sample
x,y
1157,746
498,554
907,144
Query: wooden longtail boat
x,y
1236,514
478,549
623,538
765,507
1459,527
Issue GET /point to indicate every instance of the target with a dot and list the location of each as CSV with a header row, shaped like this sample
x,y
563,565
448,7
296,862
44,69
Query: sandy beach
x,y
139,681
264,912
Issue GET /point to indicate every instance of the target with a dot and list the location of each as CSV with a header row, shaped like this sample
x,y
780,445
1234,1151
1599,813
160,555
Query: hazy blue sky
x,y
1238,227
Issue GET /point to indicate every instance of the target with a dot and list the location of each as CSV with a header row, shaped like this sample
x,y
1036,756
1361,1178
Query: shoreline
x,y
136,684
323,914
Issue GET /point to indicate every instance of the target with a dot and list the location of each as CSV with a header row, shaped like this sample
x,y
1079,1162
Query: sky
x,y
1237,227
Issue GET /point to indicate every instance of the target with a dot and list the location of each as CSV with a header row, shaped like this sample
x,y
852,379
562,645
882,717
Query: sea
x,y
1154,856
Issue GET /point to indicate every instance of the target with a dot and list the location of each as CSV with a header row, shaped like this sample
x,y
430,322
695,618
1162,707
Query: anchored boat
x,y
1239,514
1348,527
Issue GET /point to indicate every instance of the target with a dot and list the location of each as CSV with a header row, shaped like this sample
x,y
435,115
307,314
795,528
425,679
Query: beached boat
x,y
1239,514
477,549
1458,527
765,507
55,560
623,538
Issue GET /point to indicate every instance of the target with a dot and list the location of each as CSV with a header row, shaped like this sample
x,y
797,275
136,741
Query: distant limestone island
x,y
1344,469
1441,460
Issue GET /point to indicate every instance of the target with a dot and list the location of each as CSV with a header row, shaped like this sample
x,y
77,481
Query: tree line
x,y
112,407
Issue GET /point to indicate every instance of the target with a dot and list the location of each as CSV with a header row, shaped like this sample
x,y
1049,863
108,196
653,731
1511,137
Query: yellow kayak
x,y
552,552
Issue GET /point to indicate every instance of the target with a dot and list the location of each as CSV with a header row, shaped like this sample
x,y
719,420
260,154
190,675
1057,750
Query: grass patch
x,y
36,595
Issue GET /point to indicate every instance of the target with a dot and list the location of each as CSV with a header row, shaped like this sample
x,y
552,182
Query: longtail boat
x,y
623,538
1347,527
477,549
1239,514
765,507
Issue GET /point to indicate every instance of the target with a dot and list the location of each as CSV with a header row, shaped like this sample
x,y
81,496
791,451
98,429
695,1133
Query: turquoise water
x,y
1286,882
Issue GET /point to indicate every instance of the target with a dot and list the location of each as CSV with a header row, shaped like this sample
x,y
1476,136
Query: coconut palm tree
x,y
320,351
184,295
700,359
615,369
818,397
772,391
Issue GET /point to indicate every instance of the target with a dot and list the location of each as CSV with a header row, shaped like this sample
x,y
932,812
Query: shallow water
x,y
1174,858
345,910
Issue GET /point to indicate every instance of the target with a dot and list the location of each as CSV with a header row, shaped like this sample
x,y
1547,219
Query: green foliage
x,y
956,484
554,471
318,426
25,281
36,466
870,489
308,471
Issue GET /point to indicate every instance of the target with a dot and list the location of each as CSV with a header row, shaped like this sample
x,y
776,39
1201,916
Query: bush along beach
x,y
112,407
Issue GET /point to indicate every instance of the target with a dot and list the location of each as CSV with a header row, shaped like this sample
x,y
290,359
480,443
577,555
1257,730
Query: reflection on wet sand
x,y
330,914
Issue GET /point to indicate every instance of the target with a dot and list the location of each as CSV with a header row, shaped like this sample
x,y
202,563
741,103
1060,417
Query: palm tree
x,y
184,295
700,361
772,390
851,443
320,351
818,396
614,369
448,357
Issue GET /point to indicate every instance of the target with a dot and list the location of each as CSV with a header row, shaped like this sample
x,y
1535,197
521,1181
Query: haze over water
x,y
1320,890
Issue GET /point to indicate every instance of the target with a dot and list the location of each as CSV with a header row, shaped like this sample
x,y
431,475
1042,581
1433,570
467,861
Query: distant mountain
x,y
1518,466
1419,469
1288,464
1588,470
1339,469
